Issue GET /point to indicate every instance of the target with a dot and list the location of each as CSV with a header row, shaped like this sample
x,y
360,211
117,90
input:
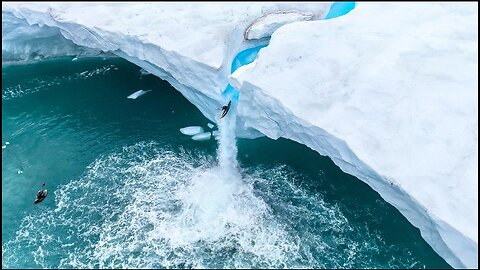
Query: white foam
x,y
227,147
191,130
145,207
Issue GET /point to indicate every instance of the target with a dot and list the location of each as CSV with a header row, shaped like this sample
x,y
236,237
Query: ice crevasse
x,y
388,92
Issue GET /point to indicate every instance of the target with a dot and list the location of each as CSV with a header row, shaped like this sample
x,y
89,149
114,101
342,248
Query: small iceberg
x,y
143,72
193,130
202,136
215,134
210,125
138,93
7,143
4,146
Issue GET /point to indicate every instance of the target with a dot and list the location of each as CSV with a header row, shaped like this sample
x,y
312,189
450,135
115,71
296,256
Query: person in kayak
x,y
225,109
41,194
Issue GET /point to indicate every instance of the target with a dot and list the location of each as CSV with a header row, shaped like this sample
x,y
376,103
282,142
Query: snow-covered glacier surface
x,y
266,25
389,92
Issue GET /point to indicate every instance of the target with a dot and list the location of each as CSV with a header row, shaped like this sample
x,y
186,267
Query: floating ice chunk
x,y
210,125
193,130
138,93
75,59
143,72
4,146
215,134
7,143
19,171
202,136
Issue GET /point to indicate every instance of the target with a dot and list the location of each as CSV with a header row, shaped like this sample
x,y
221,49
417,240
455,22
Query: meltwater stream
x,y
227,151
227,148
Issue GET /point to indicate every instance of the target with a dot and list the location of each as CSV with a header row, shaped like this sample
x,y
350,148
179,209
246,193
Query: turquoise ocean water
x,y
127,189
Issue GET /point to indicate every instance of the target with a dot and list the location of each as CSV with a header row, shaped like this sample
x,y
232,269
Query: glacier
x,y
388,92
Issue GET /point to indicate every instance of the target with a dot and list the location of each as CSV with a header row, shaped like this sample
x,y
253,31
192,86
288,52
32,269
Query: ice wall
x,y
24,42
342,87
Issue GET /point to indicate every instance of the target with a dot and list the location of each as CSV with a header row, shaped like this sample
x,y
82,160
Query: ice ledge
x,y
267,24
389,92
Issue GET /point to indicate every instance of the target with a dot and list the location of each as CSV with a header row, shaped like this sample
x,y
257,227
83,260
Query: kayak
x,y
39,199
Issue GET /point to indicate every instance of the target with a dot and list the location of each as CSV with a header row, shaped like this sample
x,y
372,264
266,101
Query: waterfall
x,y
227,148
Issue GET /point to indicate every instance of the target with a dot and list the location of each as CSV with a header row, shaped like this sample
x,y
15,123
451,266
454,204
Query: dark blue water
x,y
127,189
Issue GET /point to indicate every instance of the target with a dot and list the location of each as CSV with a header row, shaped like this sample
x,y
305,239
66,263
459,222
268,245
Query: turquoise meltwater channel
x,y
127,190
247,56
244,57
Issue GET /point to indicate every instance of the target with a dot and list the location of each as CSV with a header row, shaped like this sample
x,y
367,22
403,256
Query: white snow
x,y
266,25
192,130
138,93
389,91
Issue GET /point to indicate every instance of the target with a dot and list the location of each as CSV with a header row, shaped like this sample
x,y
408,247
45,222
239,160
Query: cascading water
x,y
227,148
